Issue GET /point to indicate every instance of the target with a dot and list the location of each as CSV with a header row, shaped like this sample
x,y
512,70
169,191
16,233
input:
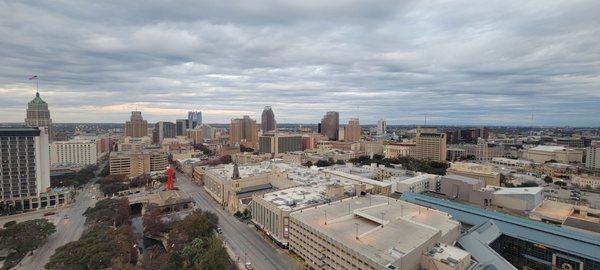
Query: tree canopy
x,y
24,237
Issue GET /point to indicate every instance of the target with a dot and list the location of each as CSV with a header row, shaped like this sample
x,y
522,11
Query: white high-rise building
x,y
381,127
592,159
76,152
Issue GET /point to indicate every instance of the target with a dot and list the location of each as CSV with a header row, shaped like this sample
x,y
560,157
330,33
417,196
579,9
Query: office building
x,y
381,127
352,131
136,127
73,153
372,232
276,143
194,119
164,130
330,125
474,170
181,127
208,132
592,159
243,131
38,115
24,166
134,163
267,120
560,154
394,150
431,146
497,238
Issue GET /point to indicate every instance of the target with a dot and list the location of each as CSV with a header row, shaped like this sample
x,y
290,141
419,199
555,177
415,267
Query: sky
x,y
456,62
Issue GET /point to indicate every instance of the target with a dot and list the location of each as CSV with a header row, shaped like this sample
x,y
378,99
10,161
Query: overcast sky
x,y
460,62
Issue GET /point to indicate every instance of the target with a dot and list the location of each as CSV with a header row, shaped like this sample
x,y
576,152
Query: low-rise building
x,y
543,153
134,163
459,187
394,150
474,170
370,232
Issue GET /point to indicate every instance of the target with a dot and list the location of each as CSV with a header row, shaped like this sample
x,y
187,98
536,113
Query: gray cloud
x,y
458,62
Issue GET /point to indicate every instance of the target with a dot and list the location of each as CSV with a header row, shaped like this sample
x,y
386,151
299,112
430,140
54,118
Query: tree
x,y
153,224
109,212
308,164
10,223
340,162
155,258
548,179
323,163
529,184
215,257
560,183
24,237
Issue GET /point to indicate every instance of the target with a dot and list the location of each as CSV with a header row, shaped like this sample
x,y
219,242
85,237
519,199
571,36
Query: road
x,y
67,230
244,240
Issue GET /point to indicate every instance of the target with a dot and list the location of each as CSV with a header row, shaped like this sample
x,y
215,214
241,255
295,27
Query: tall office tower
x,y
24,166
431,146
194,119
592,159
243,131
207,131
164,130
38,114
352,133
268,120
136,126
381,127
330,124
181,127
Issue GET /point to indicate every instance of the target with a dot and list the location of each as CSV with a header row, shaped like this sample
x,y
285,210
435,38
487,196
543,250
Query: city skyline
x,y
482,65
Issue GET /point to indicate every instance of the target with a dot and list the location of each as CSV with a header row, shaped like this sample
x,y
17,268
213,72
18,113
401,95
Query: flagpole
x,y
37,84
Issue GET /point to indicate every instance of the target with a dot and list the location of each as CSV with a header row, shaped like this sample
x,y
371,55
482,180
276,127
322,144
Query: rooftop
x,y
387,229
549,148
461,178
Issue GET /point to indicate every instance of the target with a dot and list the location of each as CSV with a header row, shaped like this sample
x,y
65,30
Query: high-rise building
x,y
275,143
381,127
243,131
352,133
330,124
181,127
592,159
74,152
194,119
208,132
24,166
164,130
38,115
431,146
268,120
136,127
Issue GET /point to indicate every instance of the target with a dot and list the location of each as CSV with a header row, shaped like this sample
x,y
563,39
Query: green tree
x,y
548,179
24,237
215,257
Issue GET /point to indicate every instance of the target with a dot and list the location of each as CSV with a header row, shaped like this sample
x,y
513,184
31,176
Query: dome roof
x,y
37,99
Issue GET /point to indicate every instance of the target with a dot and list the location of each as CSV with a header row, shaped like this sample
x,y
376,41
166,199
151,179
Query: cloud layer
x,y
458,62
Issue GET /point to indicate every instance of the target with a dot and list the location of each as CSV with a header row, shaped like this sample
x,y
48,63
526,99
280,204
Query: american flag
x,y
33,77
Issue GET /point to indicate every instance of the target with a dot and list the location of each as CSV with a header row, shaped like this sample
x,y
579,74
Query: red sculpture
x,y
170,173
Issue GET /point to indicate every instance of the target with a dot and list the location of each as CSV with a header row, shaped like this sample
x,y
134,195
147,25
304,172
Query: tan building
x,y
38,115
543,153
136,127
134,163
277,143
371,232
431,146
477,171
394,150
352,131
586,181
243,131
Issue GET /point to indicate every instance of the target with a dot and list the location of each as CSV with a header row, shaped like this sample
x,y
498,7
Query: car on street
x,y
219,230
66,217
49,214
249,266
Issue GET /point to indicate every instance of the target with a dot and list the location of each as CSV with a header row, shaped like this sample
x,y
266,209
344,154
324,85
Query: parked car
x,y
249,266
49,214
219,231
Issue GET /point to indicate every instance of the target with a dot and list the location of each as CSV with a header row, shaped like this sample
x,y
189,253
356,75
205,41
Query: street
x,y
245,241
67,230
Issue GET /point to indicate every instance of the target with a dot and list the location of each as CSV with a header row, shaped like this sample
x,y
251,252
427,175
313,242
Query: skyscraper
x,y
268,120
181,127
164,130
352,132
330,124
136,127
243,131
381,127
38,114
194,119
431,146
24,166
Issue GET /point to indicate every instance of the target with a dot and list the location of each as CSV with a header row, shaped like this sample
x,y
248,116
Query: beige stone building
x,y
352,131
543,153
136,127
76,152
372,232
431,146
243,131
474,170
134,163
393,150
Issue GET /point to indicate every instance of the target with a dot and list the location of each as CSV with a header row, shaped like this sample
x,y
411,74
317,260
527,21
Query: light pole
x,y
356,230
